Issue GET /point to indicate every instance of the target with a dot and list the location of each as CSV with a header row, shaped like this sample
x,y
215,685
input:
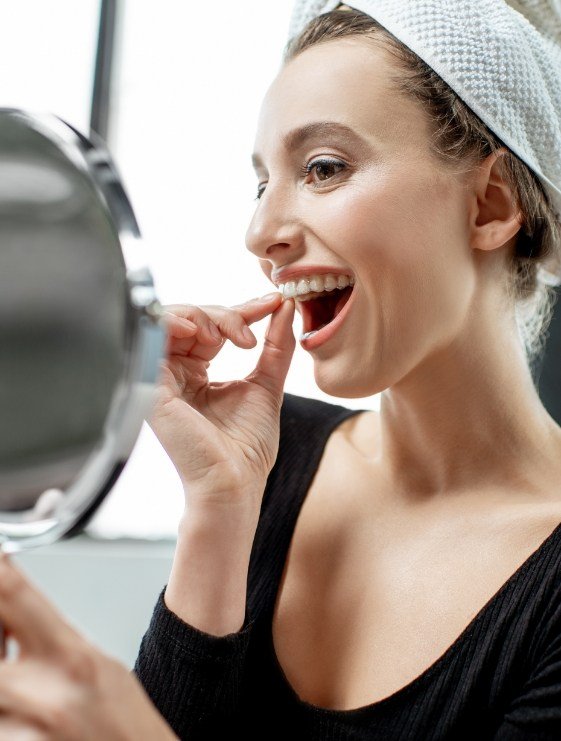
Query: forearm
x,y
208,582
192,678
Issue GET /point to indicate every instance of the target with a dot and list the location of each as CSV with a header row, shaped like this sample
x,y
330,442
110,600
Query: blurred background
x,y
182,98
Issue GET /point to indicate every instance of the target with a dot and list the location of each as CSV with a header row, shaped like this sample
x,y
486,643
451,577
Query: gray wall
x,y
106,588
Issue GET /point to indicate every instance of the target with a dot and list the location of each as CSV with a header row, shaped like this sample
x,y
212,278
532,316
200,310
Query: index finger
x,y
28,616
258,308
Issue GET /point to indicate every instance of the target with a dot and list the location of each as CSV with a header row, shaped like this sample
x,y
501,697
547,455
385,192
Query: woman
x,y
351,574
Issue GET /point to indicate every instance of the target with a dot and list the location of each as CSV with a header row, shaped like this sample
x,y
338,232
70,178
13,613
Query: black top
x,y
499,680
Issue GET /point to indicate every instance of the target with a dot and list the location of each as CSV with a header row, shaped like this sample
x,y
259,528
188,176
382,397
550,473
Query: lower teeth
x,y
307,335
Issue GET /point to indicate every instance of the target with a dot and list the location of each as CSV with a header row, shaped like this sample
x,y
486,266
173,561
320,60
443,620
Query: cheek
x,y
407,246
412,233
380,229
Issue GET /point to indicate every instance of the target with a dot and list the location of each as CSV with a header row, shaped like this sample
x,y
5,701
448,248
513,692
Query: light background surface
x,y
189,82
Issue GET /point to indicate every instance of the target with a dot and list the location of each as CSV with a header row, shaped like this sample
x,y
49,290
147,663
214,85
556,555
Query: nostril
x,y
274,248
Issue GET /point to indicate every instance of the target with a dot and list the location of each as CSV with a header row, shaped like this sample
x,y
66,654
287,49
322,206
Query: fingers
x,y
18,729
26,693
216,324
274,361
189,374
28,616
258,308
180,326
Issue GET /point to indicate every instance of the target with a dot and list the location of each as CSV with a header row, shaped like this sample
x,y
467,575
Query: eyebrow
x,y
317,129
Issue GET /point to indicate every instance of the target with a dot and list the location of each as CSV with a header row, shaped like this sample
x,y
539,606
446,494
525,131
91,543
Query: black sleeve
x,y
193,678
534,714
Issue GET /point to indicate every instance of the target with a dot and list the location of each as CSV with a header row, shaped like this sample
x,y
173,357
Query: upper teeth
x,y
314,284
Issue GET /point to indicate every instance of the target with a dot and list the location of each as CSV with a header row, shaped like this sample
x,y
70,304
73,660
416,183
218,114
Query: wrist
x,y
219,527
208,580
237,509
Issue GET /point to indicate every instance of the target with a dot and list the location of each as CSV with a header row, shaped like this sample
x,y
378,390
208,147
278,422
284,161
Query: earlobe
x,y
495,218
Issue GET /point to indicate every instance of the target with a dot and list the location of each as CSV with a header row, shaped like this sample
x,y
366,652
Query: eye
x,y
324,169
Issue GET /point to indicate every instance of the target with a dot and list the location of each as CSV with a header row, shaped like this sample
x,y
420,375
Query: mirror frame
x,y
144,341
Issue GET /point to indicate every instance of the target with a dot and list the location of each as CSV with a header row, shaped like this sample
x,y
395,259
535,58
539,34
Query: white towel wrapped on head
x,y
502,58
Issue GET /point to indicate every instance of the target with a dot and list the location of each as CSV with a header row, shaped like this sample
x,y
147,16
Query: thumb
x,y
274,361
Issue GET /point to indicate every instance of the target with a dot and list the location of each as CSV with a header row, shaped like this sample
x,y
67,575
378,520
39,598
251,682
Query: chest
x,y
370,597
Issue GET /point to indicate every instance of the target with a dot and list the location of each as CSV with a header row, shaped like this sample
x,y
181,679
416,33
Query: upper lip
x,y
284,275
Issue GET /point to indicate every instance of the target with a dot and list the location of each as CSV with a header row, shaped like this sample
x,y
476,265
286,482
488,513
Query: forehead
x,y
345,80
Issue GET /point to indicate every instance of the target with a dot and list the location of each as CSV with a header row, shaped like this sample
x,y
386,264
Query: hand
x,y
61,687
223,437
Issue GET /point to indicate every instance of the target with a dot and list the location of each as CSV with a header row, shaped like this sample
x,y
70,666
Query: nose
x,y
275,231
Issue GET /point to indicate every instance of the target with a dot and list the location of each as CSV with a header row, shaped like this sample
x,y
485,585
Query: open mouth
x,y
319,311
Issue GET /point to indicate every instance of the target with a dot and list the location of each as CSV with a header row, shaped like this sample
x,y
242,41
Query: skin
x,y
458,414
431,326
458,472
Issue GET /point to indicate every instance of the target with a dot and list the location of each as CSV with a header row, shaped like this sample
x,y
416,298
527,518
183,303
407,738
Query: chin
x,y
345,385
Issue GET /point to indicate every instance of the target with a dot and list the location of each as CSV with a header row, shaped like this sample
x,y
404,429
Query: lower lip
x,y
327,332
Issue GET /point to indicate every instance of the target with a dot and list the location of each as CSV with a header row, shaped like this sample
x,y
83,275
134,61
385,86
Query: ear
x,y
494,217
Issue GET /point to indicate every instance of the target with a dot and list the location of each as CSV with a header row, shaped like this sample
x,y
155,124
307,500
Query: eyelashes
x,y
324,168
322,165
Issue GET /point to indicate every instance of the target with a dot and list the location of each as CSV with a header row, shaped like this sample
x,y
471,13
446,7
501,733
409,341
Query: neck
x,y
468,416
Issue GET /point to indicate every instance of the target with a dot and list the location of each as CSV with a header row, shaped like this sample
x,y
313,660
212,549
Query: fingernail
x,y
270,296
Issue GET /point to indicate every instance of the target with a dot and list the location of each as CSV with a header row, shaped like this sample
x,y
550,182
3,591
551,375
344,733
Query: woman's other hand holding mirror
x,y
60,686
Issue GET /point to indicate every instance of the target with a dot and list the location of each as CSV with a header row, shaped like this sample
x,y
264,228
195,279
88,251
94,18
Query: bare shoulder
x,y
360,430
348,466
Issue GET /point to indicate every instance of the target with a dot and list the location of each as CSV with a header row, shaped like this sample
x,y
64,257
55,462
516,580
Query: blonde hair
x,y
461,139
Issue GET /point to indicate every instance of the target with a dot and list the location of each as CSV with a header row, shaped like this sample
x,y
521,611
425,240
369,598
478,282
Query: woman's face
x,y
347,183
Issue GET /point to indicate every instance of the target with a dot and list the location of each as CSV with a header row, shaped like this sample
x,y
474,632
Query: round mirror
x,y
80,336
